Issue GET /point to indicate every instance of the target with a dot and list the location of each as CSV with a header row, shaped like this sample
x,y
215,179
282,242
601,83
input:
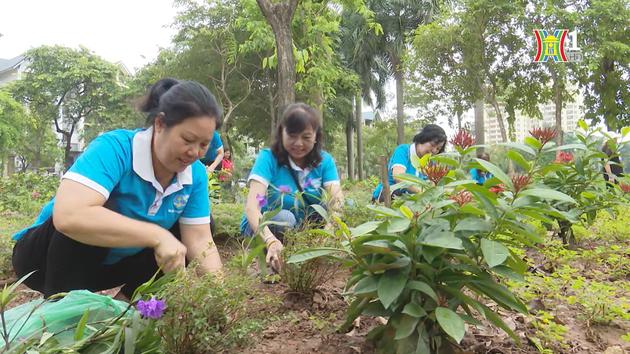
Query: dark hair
x,y
180,100
484,156
431,133
295,119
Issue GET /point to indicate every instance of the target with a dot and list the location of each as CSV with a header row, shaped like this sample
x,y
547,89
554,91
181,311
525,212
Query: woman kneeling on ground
x,y
295,164
134,200
406,158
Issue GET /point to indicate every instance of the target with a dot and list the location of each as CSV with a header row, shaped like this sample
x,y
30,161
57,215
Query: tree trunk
x,y
479,125
400,109
358,102
497,110
272,111
349,147
558,86
67,161
279,16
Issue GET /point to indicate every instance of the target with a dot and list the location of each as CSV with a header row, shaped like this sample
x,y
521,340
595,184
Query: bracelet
x,y
268,244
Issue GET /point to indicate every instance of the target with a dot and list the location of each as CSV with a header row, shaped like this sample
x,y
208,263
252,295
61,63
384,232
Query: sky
x,y
130,31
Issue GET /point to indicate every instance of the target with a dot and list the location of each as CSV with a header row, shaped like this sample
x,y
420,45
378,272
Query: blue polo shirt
x,y
213,149
404,156
118,165
480,176
267,171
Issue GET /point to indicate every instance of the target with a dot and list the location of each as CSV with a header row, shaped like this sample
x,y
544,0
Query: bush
x,y
25,193
205,315
305,277
227,219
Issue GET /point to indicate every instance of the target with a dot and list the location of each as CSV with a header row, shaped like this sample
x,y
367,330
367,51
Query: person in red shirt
x,y
227,166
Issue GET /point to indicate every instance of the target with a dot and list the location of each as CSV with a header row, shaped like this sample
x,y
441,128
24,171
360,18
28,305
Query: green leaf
x,y
493,252
423,288
365,228
366,285
547,194
446,161
397,225
78,333
533,142
423,341
406,326
321,211
496,172
569,147
406,211
473,224
415,310
313,253
470,209
451,323
379,209
582,124
444,240
625,131
518,159
460,183
521,147
390,286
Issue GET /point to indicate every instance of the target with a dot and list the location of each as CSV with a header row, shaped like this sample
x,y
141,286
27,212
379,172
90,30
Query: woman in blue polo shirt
x,y
295,164
478,175
213,157
406,158
134,201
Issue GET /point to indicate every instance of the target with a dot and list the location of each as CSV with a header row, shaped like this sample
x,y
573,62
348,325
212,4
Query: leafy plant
x,y
26,192
305,277
432,261
208,315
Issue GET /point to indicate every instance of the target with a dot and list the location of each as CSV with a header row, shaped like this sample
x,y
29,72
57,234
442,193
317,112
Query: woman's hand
x,y
170,253
274,254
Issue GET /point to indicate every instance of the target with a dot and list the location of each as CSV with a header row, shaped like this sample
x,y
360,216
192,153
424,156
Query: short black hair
x,y
295,119
180,100
431,133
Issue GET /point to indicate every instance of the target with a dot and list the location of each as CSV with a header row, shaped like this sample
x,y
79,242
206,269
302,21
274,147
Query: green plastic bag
x,y
62,316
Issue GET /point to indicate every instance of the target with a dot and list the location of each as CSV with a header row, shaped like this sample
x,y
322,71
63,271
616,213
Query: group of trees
x,y
257,56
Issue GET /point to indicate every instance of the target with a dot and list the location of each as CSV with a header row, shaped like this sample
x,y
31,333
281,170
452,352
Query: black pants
x,y
62,264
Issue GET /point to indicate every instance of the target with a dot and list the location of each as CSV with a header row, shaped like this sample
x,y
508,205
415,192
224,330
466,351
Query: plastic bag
x,y
60,316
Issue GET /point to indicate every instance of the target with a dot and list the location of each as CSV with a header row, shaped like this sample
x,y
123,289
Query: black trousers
x,y
62,264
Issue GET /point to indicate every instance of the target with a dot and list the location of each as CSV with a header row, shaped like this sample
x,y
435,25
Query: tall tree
x,y
605,69
279,15
399,18
66,87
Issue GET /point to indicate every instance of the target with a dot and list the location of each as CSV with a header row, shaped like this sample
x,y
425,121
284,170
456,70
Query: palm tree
x,y
399,18
362,53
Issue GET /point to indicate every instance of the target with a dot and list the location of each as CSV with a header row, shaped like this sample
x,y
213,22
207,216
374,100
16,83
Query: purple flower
x,y
152,308
284,189
308,183
262,201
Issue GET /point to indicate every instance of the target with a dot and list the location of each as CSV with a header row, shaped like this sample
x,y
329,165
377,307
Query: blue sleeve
x,y
264,167
399,157
102,164
216,141
329,170
197,210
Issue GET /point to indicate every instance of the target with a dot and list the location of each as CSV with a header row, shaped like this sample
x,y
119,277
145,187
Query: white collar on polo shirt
x,y
143,163
303,172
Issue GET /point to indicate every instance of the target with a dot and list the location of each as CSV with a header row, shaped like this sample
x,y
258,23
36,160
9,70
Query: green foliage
x,y
305,277
25,193
207,315
417,262
227,218
76,82
549,334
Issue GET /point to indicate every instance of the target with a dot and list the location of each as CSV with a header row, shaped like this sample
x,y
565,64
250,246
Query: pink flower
x,y
544,135
262,201
152,308
435,172
462,139
284,189
520,182
497,189
563,157
462,198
